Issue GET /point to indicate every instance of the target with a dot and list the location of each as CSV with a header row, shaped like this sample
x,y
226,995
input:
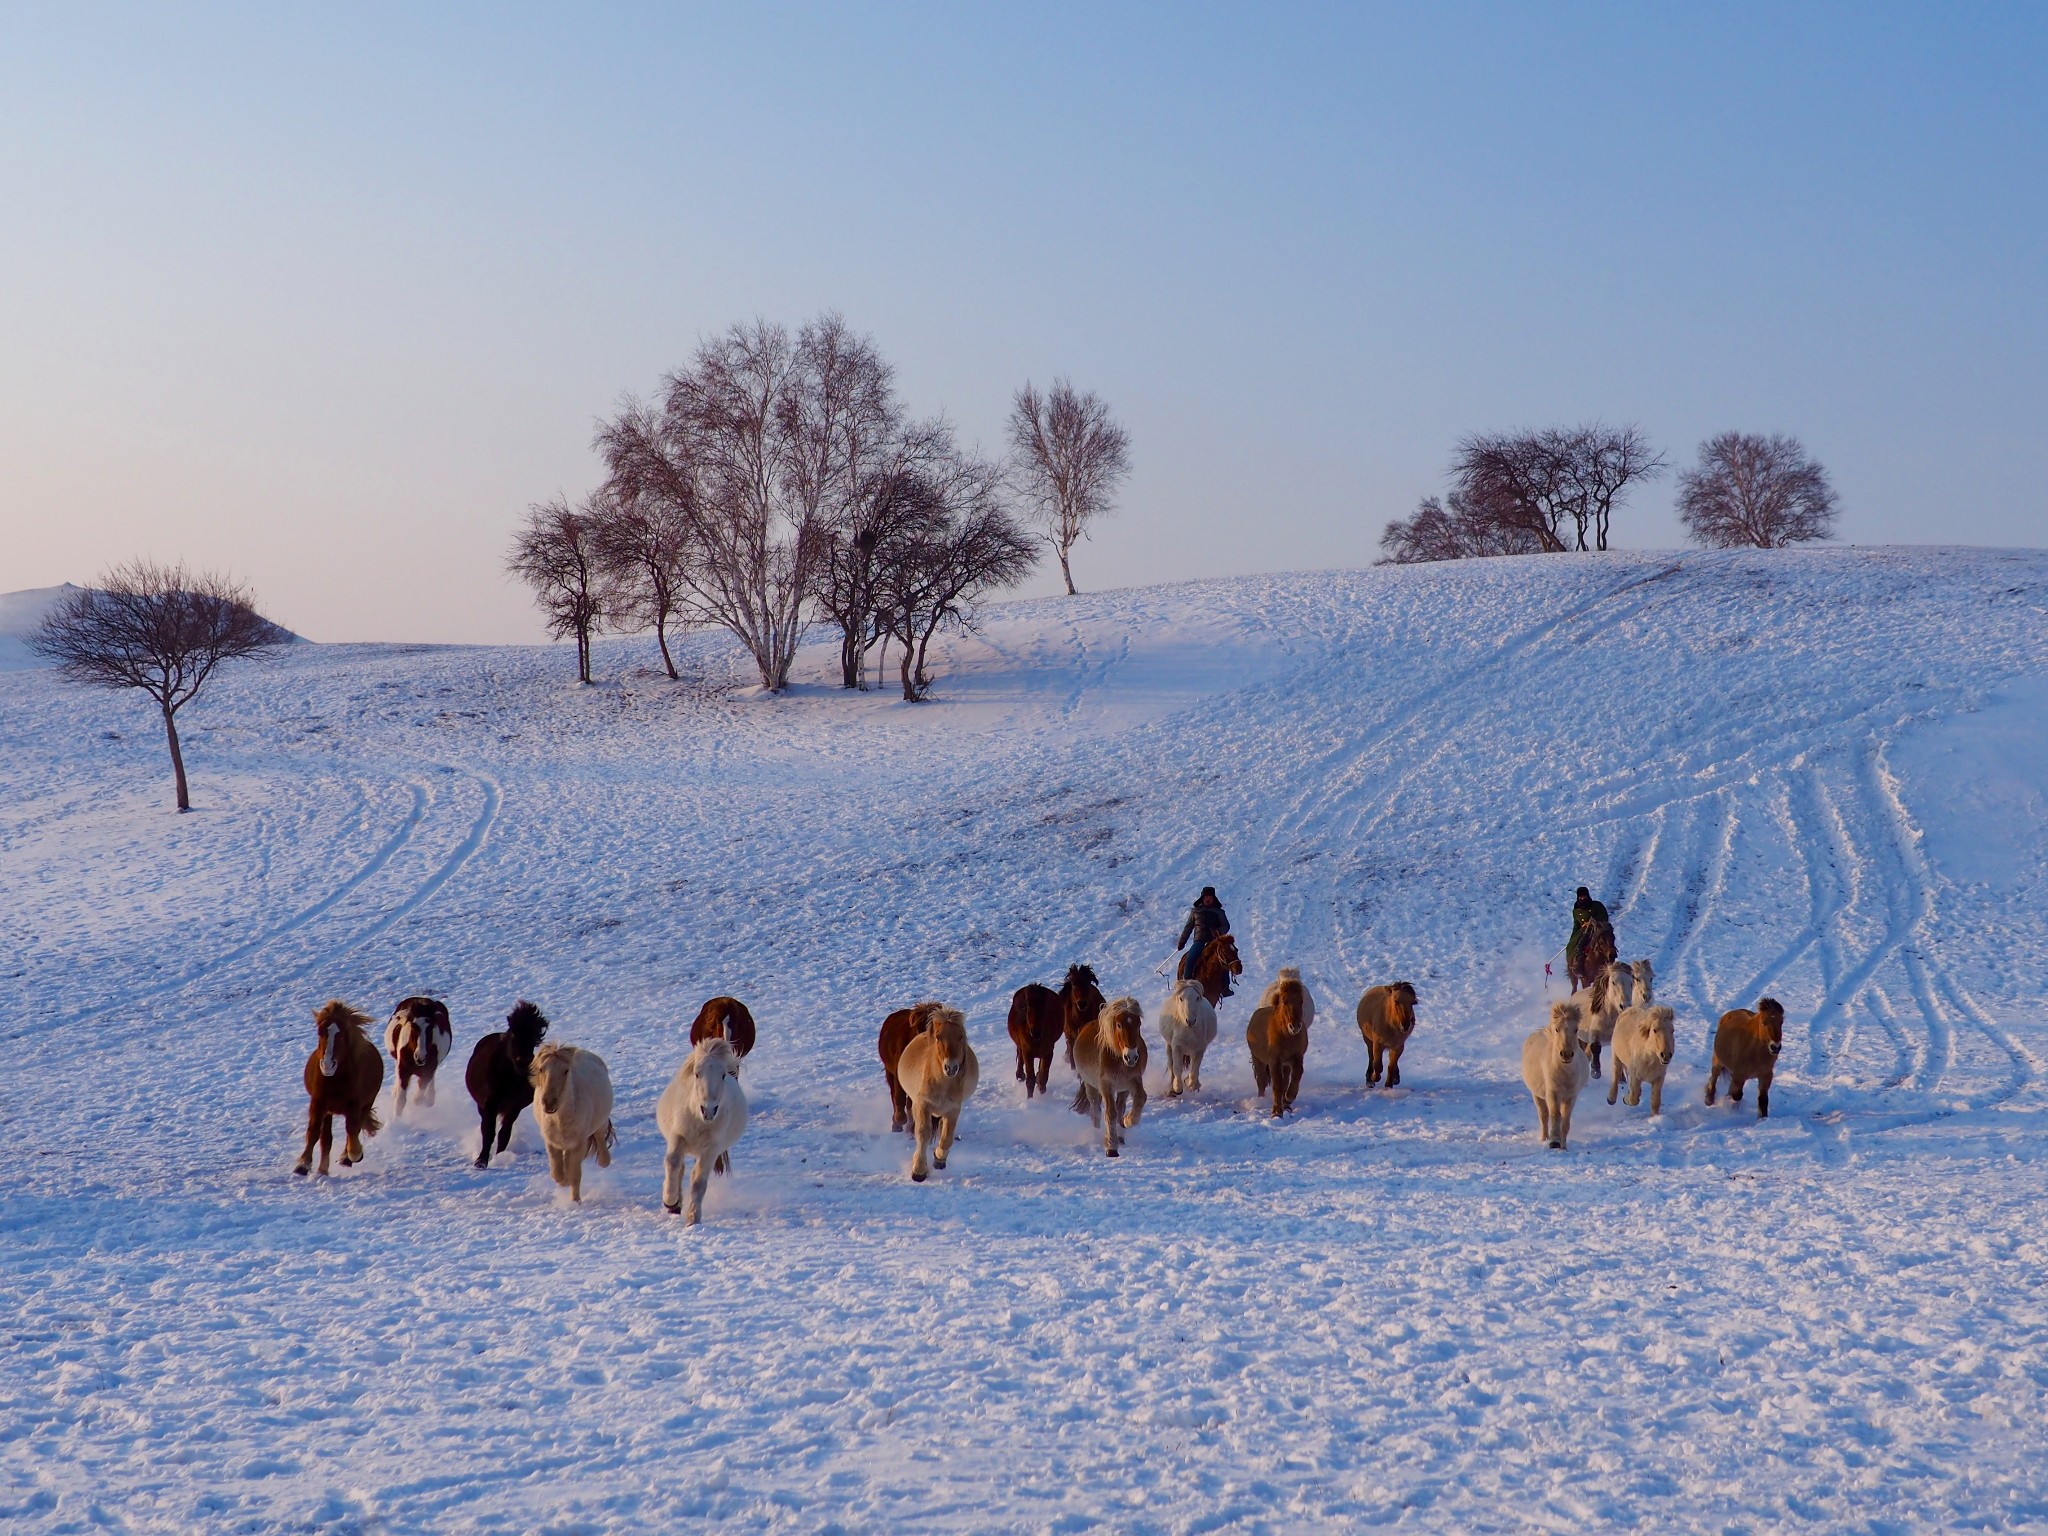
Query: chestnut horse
x,y
1218,964
724,1018
342,1078
1040,1017
1278,1036
1109,1058
498,1077
898,1030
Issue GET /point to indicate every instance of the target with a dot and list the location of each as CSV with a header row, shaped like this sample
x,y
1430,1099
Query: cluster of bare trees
x,y
1558,489
778,481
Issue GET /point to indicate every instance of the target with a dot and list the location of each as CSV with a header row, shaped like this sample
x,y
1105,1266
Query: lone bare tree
x,y
1559,483
557,555
160,628
1751,490
644,543
1068,456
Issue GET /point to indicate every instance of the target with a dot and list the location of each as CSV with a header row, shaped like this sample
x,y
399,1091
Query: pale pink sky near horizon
x,y
327,297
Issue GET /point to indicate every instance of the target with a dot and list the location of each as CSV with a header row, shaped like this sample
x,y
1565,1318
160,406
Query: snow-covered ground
x,y
1822,774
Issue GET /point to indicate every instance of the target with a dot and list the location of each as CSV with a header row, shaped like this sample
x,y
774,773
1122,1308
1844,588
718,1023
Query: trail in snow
x,y
1819,775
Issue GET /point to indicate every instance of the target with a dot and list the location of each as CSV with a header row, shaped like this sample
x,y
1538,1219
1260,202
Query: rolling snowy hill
x,y
1820,774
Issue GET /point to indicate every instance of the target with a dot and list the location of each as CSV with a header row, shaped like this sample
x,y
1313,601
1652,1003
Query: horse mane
x,y
548,1052
526,1024
1076,974
335,1011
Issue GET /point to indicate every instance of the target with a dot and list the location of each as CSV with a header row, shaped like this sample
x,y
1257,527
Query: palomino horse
x,y
1218,964
1109,1058
572,1107
419,1039
1041,1017
939,1072
342,1078
1596,952
1278,1036
898,1030
724,1018
497,1075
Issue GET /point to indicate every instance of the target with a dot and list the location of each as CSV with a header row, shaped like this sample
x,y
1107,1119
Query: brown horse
x,y
1218,964
342,1078
939,1072
1109,1058
419,1038
1041,1017
898,1030
1747,1043
498,1075
1596,952
1386,1018
1278,1036
724,1018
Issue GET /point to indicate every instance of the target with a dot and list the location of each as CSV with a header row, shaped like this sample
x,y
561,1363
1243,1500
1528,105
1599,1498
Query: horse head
x,y
717,1065
1770,1013
335,1020
1222,951
1122,1030
550,1075
1290,1007
1404,1007
948,1029
1564,1025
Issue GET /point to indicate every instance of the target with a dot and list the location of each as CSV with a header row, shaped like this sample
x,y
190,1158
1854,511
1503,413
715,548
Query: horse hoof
x,y
301,1171
1114,1153
938,1162
674,1210
918,1178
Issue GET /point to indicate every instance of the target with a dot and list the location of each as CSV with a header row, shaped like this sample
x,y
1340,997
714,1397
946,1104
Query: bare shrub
x,y
1557,485
556,554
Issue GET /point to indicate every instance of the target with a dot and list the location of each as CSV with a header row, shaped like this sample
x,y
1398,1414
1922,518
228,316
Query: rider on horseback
x,y
1206,921
1587,914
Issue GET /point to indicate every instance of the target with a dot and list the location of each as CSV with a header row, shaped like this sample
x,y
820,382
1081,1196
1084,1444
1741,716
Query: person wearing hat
x,y
1206,920
1585,912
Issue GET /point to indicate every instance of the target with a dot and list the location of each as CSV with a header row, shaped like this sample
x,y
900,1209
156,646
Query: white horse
x,y
701,1115
1187,1025
572,1106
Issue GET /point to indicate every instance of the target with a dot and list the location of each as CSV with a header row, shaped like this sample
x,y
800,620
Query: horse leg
x,y
352,1145
305,1161
1713,1076
1564,1123
1656,1094
672,1176
1044,1070
948,1126
920,1159
1137,1105
1394,1065
1543,1120
398,1096
1763,1097
326,1141
1109,1119
1593,1055
1614,1084
485,1130
899,1101
427,1092
700,1176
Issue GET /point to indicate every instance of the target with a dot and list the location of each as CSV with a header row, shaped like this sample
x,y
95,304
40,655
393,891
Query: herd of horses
x,y
931,1069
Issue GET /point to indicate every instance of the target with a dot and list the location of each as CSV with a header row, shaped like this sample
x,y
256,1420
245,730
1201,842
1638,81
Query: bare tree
x,y
645,544
1457,532
968,544
556,554
160,628
1748,489
1559,483
1068,457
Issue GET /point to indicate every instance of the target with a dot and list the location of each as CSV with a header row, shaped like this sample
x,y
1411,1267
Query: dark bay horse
x,y
898,1030
1041,1017
499,1075
1596,952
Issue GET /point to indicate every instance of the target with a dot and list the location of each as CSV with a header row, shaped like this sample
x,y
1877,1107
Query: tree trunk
x,y
583,653
1067,570
909,687
177,761
850,651
661,639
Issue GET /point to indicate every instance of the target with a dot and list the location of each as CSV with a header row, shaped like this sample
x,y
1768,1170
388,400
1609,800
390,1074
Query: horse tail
x,y
371,1123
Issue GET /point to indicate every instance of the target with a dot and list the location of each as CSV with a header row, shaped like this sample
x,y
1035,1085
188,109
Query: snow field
x,y
1820,774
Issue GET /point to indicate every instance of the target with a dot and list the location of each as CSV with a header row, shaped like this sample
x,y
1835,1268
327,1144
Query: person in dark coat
x,y
1585,912
1206,919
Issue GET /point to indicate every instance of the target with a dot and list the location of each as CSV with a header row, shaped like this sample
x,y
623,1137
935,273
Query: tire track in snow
x,y
368,870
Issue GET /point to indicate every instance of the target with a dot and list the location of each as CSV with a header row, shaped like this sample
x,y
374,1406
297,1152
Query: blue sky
x,y
327,295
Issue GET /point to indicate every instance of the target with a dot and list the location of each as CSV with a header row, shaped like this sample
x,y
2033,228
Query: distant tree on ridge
x,y
1753,491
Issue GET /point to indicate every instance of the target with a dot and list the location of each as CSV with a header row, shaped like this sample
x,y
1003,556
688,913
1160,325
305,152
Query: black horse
x,y
498,1075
